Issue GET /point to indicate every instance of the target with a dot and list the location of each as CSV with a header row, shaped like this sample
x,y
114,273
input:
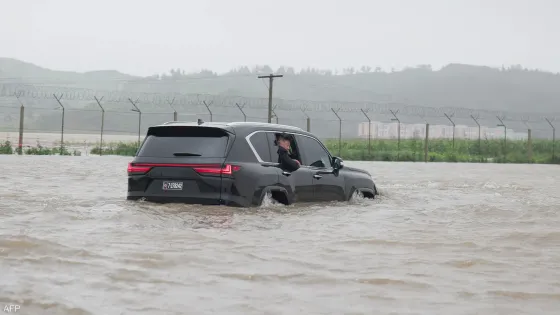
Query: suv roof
x,y
233,125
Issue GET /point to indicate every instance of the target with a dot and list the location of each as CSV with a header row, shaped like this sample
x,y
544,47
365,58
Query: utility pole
x,y
270,80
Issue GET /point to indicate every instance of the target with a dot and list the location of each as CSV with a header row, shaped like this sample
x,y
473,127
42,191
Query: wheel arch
x,y
280,194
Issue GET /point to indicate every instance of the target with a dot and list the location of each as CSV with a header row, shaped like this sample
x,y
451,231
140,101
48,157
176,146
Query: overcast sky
x,y
146,37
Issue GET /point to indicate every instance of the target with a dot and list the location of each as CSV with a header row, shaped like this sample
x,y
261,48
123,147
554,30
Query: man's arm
x,y
285,160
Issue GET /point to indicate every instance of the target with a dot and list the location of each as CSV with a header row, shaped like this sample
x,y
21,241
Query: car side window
x,y
260,142
313,153
272,146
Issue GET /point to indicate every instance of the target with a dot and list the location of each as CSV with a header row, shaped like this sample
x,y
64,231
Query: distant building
x,y
381,130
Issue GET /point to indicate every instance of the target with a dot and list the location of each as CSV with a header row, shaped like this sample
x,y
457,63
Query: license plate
x,y
172,185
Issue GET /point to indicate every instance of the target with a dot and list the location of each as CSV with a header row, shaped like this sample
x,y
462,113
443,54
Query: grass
x,y
442,150
6,148
439,150
118,148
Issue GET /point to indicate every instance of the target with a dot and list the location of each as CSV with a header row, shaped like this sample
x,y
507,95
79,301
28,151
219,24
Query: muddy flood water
x,y
442,239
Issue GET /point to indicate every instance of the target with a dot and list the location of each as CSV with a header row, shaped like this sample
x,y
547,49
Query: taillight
x,y
214,169
228,169
137,169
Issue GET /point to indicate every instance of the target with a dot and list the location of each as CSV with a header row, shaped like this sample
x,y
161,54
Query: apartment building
x,y
380,130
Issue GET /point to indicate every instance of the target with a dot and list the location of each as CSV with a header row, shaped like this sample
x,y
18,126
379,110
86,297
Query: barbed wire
x,y
29,91
9,120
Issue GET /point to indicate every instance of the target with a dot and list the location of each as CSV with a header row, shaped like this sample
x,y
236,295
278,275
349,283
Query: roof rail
x,y
178,122
234,123
240,123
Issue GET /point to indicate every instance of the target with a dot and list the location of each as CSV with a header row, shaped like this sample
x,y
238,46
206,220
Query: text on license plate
x,y
172,185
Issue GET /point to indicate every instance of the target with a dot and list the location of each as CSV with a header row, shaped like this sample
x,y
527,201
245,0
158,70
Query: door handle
x,y
286,173
317,176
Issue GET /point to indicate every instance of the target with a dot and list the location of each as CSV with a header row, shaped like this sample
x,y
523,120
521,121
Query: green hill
x,y
511,90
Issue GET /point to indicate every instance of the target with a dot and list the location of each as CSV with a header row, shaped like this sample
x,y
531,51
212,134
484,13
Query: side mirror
x,y
337,163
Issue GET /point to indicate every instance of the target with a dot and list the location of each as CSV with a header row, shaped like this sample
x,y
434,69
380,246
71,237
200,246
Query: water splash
x,y
269,202
358,198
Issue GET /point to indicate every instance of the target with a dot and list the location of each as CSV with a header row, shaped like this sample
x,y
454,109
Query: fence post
x,y
398,132
426,142
242,112
274,113
208,108
21,119
529,142
339,131
453,123
501,124
136,109
553,140
308,119
369,131
479,141
62,125
173,108
102,123
530,145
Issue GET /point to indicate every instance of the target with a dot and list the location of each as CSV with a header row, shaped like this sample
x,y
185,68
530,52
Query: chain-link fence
x,y
48,116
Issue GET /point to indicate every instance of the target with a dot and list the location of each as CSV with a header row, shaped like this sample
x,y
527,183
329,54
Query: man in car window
x,y
284,159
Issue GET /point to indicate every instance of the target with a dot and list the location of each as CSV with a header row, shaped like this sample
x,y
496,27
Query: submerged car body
x,y
235,164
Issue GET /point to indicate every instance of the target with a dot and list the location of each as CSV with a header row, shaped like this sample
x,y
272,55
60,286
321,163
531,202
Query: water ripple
x,y
441,239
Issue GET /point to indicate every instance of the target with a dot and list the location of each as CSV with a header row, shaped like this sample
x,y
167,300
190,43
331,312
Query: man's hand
x,y
298,163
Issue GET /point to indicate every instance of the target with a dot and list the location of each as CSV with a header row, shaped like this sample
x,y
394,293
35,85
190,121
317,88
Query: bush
x,y
40,150
6,148
120,148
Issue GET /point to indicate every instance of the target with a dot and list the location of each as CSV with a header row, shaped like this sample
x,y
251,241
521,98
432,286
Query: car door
x,y
299,183
328,185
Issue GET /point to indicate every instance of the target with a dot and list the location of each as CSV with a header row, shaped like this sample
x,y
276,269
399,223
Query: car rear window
x,y
202,141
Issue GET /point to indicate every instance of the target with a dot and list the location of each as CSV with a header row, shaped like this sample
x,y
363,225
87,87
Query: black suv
x,y
236,164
